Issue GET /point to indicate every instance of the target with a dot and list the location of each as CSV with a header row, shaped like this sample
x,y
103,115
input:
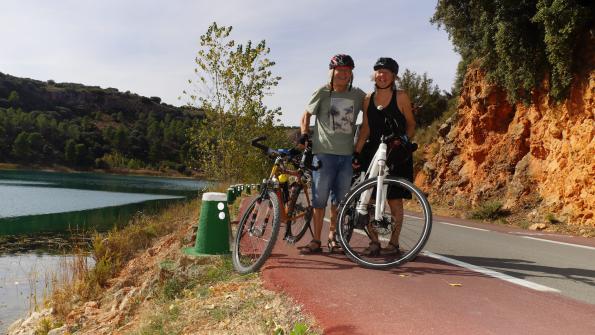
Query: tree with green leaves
x,y
21,148
428,103
232,82
518,43
69,151
14,98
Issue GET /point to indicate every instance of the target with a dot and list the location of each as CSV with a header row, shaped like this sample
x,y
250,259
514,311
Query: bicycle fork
x,y
257,229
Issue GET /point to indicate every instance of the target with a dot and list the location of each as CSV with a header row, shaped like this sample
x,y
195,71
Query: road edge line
x,y
491,273
461,226
558,242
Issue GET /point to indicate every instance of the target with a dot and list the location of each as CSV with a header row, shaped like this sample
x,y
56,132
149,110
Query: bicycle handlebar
x,y
260,146
305,162
405,141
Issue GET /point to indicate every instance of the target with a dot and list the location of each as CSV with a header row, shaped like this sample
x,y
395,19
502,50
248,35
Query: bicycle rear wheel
x,y
299,214
257,233
414,230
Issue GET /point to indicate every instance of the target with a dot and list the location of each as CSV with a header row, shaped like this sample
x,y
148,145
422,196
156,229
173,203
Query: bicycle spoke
x,y
412,229
299,216
257,233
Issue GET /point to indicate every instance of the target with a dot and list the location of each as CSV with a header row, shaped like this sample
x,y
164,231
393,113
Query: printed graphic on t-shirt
x,y
341,115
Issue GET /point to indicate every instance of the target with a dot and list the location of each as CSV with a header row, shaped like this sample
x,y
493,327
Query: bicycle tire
x,y
257,233
299,206
415,230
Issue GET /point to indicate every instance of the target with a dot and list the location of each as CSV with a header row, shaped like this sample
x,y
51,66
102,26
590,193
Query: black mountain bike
x,y
284,197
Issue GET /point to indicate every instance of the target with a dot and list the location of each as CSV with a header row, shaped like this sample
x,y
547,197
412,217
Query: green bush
x,y
518,43
490,210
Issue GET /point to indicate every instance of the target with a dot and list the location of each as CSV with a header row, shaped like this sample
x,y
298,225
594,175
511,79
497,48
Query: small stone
x,y
538,226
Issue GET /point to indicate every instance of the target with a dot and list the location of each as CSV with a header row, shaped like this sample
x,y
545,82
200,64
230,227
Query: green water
x,y
41,211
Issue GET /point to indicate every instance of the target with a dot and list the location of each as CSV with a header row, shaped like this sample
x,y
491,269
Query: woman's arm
x,y
404,104
364,130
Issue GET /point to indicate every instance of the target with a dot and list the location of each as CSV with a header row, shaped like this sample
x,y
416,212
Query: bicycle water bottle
x,y
283,185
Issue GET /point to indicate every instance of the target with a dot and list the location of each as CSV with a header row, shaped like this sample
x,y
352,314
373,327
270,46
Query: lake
x,y
41,211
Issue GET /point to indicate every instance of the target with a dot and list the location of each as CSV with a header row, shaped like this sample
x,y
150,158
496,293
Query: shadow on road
x,y
520,269
422,265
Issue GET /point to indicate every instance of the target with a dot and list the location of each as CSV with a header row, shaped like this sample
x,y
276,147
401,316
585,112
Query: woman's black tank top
x,y
378,122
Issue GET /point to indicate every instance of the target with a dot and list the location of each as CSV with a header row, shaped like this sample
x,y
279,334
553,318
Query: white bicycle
x,y
364,216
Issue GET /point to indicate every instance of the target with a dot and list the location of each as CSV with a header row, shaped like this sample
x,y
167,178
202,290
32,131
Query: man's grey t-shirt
x,y
336,114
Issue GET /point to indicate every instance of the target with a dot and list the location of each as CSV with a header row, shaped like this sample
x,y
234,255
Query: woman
x,y
387,110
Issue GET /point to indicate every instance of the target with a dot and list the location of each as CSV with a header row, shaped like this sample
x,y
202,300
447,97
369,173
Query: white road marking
x,y
461,226
492,273
557,242
536,234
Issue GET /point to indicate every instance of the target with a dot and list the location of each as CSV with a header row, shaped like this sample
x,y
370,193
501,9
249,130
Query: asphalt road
x,y
558,263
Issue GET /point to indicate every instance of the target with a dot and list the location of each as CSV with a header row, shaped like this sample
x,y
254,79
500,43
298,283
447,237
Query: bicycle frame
x,y
278,169
378,169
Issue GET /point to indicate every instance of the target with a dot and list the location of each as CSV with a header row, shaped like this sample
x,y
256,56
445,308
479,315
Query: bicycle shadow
x,y
320,261
425,265
525,269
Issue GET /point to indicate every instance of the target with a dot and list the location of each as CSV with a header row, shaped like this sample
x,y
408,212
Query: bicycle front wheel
x,y
299,214
409,228
257,233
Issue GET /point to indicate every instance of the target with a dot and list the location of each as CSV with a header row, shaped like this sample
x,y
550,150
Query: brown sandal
x,y
391,248
373,249
314,247
334,245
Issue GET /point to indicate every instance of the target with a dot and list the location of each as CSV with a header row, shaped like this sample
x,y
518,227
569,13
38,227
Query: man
x,y
336,106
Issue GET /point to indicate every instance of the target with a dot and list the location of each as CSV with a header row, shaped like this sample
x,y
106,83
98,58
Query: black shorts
x,y
400,164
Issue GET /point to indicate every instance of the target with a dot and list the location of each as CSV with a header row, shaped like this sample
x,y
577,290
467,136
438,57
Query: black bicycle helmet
x,y
387,63
341,60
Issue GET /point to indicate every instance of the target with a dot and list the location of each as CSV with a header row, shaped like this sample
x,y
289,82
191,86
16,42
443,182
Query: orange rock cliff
x,y
538,157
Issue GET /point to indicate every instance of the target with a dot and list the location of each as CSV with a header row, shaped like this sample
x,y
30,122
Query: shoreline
x,y
115,171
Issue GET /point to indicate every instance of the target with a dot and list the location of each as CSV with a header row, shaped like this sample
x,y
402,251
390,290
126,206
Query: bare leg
x,y
396,210
318,218
333,224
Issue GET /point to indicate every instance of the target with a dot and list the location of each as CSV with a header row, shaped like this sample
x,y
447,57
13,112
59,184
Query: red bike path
x,y
421,297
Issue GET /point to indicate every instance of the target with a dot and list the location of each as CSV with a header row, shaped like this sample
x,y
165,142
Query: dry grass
x,y
216,300
82,282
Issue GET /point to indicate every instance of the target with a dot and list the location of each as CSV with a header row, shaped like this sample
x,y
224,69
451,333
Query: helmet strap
x,y
332,80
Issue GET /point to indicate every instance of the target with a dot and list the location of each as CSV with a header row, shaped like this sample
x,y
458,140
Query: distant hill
x,y
90,127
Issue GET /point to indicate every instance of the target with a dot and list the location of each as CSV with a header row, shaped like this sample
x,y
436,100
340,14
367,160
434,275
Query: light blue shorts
x,y
334,178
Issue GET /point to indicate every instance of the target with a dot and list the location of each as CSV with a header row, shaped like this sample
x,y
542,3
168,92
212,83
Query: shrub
x,y
490,210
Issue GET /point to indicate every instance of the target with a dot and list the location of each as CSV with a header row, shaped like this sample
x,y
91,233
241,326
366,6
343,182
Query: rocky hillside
x,y
78,99
537,159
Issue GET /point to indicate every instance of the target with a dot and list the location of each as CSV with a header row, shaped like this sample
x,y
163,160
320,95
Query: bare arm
x,y
364,130
305,123
405,106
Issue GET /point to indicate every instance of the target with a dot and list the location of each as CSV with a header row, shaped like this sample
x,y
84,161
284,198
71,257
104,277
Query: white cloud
x,y
148,47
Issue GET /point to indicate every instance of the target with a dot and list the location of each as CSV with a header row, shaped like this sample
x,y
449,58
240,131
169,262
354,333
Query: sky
x,y
148,47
